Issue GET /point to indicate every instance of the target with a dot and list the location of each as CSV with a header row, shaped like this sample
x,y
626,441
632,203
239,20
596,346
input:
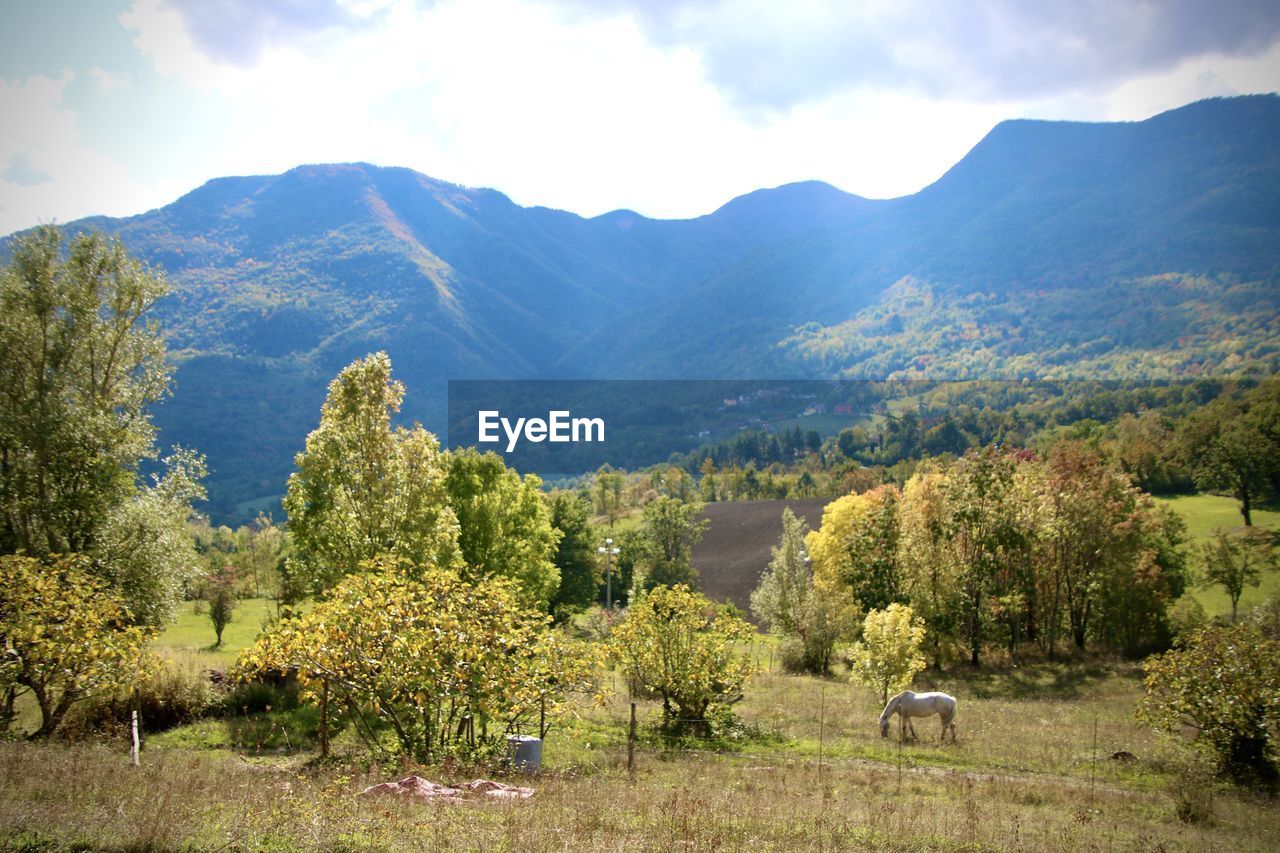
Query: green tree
x,y
677,645
220,593
65,635
1229,452
575,555
144,547
1236,559
983,526
858,543
1222,684
929,565
797,606
669,529
779,601
504,525
1096,530
80,366
888,656
362,488
443,662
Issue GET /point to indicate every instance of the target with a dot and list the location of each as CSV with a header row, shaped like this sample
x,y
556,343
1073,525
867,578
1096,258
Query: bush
x,y
792,656
178,691
675,643
1186,616
1222,683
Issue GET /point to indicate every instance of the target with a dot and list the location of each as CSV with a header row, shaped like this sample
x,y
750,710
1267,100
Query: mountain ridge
x,y
1033,255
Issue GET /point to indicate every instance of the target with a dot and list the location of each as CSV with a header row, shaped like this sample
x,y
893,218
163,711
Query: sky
x,y
666,107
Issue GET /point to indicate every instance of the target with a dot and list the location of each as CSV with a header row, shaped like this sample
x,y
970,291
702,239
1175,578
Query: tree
x,y
144,547
1229,452
888,657
858,543
669,529
81,364
220,592
504,525
982,525
65,635
1222,684
575,555
363,489
779,600
442,662
676,644
929,566
608,492
1096,531
1236,559
797,606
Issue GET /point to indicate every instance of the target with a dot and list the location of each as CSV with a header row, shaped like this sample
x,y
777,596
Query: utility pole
x,y
609,553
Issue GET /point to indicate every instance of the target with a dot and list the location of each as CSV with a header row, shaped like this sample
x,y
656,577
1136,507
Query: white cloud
x,y
64,178
587,112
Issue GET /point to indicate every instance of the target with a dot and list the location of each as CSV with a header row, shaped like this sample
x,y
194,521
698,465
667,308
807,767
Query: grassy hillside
x,y
808,770
1206,513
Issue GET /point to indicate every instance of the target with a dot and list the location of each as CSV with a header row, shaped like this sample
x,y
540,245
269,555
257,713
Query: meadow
x,y
1049,757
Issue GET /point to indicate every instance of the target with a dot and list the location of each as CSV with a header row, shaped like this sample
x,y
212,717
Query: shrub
x,y
434,658
888,656
676,644
177,691
1223,685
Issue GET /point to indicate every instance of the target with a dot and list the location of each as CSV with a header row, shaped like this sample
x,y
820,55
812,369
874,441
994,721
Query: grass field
x,y
192,631
811,773
806,769
1206,513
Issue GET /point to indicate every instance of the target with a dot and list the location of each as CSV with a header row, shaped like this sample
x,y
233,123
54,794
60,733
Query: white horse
x,y
907,705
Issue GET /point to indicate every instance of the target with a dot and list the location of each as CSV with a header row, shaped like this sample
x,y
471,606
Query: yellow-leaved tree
x,y
888,655
65,635
676,644
444,664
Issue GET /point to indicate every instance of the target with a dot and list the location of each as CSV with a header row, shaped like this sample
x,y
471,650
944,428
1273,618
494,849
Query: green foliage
x,y
1233,447
504,525
575,556
1222,684
796,606
676,644
858,543
220,593
1236,559
668,531
888,656
174,692
362,488
80,366
930,566
65,636
144,547
445,663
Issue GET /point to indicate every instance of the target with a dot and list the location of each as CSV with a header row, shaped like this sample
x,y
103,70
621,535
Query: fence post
x,y
631,743
133,751
822,719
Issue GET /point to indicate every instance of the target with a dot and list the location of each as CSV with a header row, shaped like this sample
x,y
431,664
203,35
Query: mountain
x,y
1052,249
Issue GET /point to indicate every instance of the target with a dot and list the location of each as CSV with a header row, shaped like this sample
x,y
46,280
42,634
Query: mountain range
x,y
1053,249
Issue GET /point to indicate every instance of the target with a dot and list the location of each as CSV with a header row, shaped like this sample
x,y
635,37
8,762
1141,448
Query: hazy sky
x,y
668,107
